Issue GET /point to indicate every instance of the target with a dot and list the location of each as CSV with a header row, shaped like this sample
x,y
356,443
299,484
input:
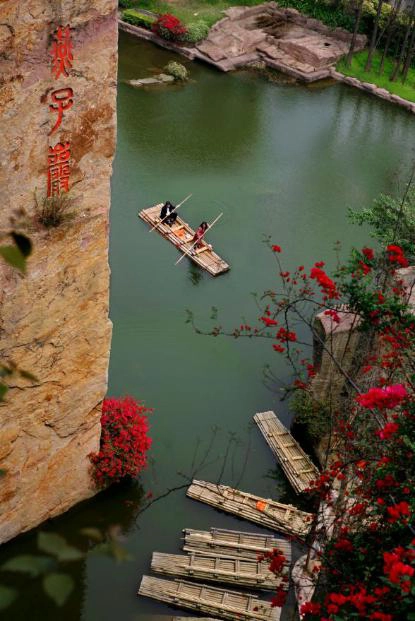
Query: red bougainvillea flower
x,y
398,511
311,608
333,314
328,286
368,253
387,397
269,322
276,248
124,441
387,431
396,255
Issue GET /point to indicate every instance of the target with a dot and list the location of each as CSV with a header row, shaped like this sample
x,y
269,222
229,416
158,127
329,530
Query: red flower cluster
x,y
285,335
268,321
396,570
333,314
124,441
276,248
396,255
387,431
328,286
398,512
387,397
169,27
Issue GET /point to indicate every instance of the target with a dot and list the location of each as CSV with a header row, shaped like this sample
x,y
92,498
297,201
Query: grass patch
x,y
357,70
189,11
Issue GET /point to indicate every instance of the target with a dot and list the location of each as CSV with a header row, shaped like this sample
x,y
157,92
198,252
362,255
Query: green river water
x,y
285,161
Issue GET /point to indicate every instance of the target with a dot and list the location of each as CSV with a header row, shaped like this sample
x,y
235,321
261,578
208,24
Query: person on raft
x,y
168,210
198,236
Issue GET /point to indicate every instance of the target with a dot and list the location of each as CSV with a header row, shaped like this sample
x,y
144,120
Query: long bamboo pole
x,y
188,252
169,214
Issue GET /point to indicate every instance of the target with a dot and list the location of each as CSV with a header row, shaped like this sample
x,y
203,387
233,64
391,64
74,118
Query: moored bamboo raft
x,y
208,599
240,572
233,543
298,467
180,234
266,512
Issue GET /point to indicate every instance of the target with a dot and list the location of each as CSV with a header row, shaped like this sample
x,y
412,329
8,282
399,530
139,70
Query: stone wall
x,y
54,321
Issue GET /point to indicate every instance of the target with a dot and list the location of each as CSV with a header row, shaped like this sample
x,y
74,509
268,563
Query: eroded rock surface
x,y
54,321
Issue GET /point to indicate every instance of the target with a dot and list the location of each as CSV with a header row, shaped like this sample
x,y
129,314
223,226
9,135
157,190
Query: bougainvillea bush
x,y
124,441
364,559
169,27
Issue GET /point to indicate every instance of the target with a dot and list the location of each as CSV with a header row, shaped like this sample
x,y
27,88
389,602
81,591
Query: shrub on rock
x,y
124,441
196,31
177,70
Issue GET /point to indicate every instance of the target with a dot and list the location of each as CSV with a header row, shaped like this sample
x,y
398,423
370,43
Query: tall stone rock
x,y
54,321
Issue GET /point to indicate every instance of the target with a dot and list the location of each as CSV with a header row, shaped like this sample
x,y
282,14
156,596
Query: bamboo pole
x,y
175,209
188,252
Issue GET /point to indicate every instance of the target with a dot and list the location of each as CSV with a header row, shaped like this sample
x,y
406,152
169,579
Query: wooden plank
x,y
207,599
240,572
266,512
224,542
181,235
296,464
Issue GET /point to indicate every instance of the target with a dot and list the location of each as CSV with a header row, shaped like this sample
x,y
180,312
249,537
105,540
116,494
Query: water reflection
x,y
115,509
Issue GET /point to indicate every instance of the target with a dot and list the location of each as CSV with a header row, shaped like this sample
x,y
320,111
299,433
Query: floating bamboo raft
x,y
207,599
298,467
180,234
266,512
223,542
241,572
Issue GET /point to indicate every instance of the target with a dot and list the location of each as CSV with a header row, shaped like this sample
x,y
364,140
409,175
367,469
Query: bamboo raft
x,y
266,512
233,543
298,467
208,599
237,571
180,234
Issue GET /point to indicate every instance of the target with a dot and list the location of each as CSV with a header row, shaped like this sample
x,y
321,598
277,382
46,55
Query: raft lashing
x,y
297,466
180,234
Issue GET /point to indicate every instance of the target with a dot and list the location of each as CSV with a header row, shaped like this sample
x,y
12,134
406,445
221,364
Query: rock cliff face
x,y
54,321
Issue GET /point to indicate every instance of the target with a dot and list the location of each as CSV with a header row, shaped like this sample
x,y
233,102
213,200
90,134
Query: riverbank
x,y
280,38
357,70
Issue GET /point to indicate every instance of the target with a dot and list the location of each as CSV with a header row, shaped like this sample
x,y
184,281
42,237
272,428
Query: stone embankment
x,y
372,89
54,321
283,39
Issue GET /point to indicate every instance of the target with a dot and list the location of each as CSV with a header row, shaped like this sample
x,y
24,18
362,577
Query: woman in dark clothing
x,y
168,210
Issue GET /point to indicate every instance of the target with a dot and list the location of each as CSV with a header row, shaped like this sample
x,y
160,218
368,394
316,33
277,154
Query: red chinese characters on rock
x,y
61,52
62,100
58,169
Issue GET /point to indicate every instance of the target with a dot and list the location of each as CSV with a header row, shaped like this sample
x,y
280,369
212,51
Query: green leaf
x,y
26,563
13,256
57,545
3,391
92,533
23,243
7,596
411,616
58,587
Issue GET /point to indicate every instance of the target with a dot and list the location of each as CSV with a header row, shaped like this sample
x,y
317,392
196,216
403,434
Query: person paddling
x,y
198,236
168,210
